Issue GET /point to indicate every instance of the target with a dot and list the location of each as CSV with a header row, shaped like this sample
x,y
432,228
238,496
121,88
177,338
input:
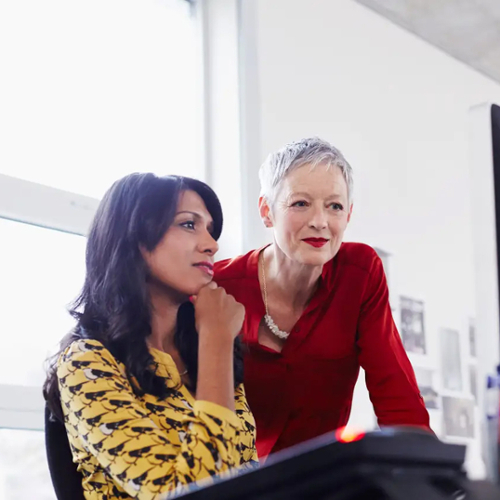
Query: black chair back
x,y
65,477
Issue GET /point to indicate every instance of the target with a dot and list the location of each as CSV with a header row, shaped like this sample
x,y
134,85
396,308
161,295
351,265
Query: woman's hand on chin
x,y
217,314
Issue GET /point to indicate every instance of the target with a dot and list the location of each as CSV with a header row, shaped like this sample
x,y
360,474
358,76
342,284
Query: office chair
x,y
66,479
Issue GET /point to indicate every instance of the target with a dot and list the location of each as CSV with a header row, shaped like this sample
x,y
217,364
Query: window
x,y
42,272
92,90
23,468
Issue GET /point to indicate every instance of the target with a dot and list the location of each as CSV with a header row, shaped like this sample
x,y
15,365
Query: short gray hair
x,y
311,151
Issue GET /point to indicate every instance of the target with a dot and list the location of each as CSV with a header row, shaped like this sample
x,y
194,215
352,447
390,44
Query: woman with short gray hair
x,y
316,308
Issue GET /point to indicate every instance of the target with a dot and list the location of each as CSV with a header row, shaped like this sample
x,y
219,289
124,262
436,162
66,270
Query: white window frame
x,y
44,206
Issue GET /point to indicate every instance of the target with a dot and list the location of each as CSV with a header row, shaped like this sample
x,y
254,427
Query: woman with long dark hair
x,y
149,383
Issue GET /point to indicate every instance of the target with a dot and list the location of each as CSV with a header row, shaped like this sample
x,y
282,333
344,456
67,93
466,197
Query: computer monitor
x,y
485,189
390,464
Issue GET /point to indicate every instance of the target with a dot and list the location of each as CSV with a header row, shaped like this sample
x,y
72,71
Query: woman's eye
x,y
337,206
299,204
188,224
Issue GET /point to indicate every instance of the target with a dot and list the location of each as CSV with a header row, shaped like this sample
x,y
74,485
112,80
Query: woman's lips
x,y
316,242
206,267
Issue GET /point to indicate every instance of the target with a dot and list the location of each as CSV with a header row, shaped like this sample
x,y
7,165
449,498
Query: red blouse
x,y
306,390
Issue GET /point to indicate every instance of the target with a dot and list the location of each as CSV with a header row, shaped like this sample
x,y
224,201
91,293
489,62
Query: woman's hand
x,y
219,319
217,314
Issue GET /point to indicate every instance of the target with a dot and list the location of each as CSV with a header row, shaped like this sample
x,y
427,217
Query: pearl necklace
x,y
267,318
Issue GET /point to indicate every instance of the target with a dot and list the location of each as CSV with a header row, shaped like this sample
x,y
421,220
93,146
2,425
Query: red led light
x,y
345,435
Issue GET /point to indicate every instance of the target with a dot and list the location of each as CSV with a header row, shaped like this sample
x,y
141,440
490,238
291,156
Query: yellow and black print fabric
x,y
143,447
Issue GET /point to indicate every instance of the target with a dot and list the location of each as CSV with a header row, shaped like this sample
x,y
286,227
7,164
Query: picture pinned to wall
x,y
451,367
473,381
426,385
472,337
458,417
412,325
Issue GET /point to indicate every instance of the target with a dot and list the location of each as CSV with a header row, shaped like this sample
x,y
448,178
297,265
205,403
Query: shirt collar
x,y
165,367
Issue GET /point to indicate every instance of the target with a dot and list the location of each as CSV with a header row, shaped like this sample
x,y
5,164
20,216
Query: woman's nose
x,y
318,220
210,245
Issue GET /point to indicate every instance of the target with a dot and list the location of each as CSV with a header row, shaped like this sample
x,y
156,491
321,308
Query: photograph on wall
x,y
451,367
425,381
412,325
473,380
458,417
472,337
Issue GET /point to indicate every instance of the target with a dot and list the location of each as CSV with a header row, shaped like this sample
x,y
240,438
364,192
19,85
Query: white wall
x,y
398,110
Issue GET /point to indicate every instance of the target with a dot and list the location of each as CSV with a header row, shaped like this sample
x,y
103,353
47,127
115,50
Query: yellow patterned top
x,y
143,447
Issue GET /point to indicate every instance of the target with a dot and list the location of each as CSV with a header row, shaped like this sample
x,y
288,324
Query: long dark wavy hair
x,y
114,305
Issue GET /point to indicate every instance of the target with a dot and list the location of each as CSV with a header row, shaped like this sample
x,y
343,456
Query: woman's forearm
x,y
215,370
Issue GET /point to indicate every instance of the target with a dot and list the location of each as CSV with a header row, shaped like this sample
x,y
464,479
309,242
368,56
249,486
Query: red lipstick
x,y
316,242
